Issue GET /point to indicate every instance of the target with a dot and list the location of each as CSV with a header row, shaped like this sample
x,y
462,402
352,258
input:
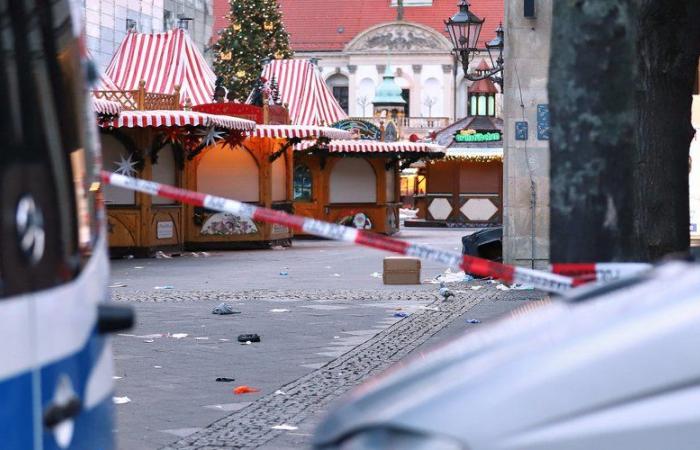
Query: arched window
x,y
492,105
303,184
482,104
338,84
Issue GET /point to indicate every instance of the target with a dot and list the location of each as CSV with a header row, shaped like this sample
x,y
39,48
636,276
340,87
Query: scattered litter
x,y
429,308
245,390
336,337
492,281
376,275
128,257
279,310
224,340
225,379
473,321
279,392
202,338
446,293
278,247
502,287
246,343
179,335
284,272
163,288
120,400
248,338
285,427
451,277
522,287
224,309
138,267
199,254
157,367
162,255
475,288
400,314
116,377
148,341
336,274
117,285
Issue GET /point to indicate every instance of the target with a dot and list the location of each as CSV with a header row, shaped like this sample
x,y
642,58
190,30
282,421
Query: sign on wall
x,y
521,131
543,128
478,136
165,230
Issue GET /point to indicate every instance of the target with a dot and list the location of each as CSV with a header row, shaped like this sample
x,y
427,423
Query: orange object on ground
x,y
244,390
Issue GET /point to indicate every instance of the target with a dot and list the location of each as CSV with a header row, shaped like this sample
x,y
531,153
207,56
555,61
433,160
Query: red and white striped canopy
x,y
299,131
142,119
102,106
163,61
367,146
303,89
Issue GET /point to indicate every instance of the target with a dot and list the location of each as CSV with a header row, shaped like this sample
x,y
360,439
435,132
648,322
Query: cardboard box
x,y
401,270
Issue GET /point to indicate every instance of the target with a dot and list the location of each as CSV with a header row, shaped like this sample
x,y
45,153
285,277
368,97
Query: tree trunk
x,y
593,121
668,48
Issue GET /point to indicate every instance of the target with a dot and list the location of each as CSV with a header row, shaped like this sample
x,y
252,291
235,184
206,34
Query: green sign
x,y
479,137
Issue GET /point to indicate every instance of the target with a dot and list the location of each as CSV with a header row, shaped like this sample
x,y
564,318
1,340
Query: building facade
x,y
108,21
526,141
353,42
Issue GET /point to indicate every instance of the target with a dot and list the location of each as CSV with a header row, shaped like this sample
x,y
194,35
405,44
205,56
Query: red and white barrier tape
x,y
545,281
587,272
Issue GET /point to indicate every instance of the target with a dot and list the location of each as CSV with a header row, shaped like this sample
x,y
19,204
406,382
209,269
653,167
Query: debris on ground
x,y
248,338
279,392
224,309
376,275
117,285
475,288
445,293
138,267
179,335
148,341
121,400
162,255
285,427
284,272
201,338
157,367
163,288
522,287
400,314
450,277
116,377
128,257
336,274
473,321
225,379
502,287
224,340
278,247
430,308
245,390
279,310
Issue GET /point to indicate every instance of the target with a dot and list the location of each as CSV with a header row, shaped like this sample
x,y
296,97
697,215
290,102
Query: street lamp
x,y
464,29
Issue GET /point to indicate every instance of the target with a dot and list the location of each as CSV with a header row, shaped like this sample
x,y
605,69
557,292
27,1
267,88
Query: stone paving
x,y
309,395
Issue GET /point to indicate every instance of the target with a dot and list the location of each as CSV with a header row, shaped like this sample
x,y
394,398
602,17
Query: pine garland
x,y
255,32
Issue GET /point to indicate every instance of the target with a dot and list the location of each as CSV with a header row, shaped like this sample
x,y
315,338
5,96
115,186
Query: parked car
x,y
486,243
606,368
55,360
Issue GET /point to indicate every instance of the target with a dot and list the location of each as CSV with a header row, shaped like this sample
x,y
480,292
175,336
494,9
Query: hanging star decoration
x,y
126,167
233,139
210,135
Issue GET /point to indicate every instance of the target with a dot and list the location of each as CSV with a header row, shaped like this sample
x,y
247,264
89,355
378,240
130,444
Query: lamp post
x,y
464,29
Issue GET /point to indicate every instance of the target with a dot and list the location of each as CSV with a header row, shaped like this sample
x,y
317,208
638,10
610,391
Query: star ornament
x,y
126,167
211,135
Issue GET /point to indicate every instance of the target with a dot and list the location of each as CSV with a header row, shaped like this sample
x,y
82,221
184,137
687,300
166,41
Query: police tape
x,y
605,272
545,281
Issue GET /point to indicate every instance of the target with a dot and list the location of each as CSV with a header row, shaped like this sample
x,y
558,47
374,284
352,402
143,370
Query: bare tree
x,y
429,102
363,102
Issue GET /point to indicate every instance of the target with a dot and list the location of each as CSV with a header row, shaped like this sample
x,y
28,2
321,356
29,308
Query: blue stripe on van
x,y
16,412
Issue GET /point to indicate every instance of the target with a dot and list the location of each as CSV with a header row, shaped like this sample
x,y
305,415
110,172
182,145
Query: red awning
x,y
102,106
163,61
367,146
303,89
299,131
142,119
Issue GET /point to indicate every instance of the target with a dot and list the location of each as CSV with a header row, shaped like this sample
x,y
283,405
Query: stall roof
x,y
367,146
302,88
102,106
163,61
299,131
494,154
142,119
445,137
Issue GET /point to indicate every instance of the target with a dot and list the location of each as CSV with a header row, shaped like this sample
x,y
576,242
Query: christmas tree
x,y
255,33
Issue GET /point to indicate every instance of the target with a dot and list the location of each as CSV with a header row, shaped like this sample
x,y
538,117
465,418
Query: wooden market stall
x,y
355,183
466,187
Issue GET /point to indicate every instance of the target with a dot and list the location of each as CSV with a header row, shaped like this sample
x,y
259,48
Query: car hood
x,y
496,387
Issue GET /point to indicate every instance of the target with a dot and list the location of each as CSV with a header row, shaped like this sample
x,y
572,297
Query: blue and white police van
x,y
55,358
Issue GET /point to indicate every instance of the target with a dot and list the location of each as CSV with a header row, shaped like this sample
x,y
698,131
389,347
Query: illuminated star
x,y
211,135
126,167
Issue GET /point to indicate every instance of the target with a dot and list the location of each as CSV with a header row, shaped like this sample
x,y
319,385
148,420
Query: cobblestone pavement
x,y
309,395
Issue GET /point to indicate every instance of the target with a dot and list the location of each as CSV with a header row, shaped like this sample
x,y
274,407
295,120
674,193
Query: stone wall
x,y
527,62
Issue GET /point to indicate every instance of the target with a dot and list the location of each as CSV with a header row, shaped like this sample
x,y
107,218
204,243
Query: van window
x,y
48,171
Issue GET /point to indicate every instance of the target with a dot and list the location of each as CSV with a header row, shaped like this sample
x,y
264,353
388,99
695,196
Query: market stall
x,y
466,187
355,183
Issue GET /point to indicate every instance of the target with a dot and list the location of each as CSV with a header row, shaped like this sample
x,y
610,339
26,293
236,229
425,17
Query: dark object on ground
x,y
400,314
225,379
248,338
473,321
486,243
224,309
